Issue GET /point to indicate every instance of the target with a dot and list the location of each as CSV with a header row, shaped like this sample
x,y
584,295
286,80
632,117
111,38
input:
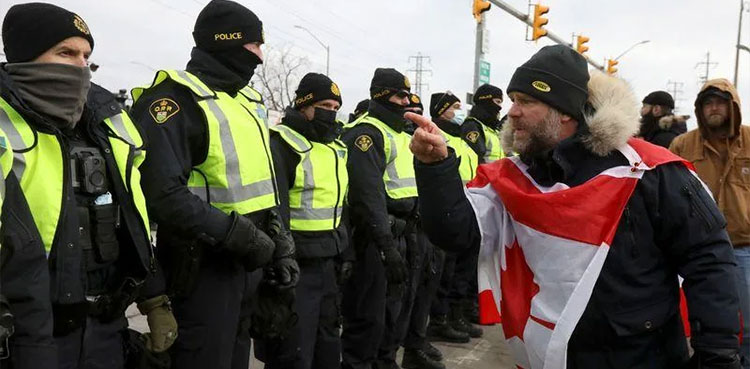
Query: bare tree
x,y
278,76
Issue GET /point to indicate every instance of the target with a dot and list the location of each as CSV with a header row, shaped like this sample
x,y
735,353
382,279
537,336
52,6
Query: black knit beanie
x,y
225,24
485,93
315,87
415,102
386,82
30,29
556,75
440,102
662,98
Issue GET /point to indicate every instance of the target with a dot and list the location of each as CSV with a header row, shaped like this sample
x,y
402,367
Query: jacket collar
x,y
214,74
448,127
390,118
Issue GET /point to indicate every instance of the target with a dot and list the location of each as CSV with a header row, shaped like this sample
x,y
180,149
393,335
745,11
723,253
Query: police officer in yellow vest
x,y
482,127
311,172
447,321
381,191
76,157
211,187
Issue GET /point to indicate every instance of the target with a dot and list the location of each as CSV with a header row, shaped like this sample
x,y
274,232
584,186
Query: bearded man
x,y
582,236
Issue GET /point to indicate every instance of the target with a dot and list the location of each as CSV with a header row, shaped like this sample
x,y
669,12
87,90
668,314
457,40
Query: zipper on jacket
x,y
338,187
268,156
629,226
697,207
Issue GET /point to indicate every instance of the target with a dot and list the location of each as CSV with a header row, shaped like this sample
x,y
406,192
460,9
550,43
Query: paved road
x,y
488,352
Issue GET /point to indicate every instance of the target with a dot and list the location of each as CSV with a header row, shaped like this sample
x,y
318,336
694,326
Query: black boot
x,y
432,352
418,359
460,324
386,364
471,311
440,330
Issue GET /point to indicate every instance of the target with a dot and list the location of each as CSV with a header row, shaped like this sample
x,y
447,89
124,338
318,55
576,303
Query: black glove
x,y
344,271
714,359
284,271
6,327
395,269
248,242
398,226
273,314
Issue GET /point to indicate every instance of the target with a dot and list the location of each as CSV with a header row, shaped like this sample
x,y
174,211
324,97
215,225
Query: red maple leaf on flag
x,y
518,288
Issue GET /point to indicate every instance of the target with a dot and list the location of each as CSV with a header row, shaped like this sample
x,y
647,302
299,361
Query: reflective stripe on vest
x,y
6,161
400,181
492,143
38,165
469,159
317,197
237,174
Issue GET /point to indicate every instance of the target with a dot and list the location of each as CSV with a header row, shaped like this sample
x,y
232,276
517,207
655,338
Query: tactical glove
x,y
284,269
246,241
395,269
161,323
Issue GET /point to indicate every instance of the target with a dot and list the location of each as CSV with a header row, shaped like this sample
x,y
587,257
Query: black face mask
x,y
239,60
325,126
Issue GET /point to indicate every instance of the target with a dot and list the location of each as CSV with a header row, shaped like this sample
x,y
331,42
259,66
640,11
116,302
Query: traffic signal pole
x,y
530,22
478,51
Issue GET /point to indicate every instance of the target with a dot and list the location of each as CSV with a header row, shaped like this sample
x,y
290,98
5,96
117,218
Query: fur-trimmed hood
x,y
615,117
613,120
668,121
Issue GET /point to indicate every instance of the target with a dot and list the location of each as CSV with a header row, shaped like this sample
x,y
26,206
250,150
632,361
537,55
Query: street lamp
x,y
631,48
328,49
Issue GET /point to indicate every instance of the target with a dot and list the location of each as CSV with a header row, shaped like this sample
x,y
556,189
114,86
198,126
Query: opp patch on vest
x,y
163,109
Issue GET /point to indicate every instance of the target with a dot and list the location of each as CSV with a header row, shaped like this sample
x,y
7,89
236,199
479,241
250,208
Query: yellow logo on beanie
x,y
415,99
406,82
304,99
335,89
81,25
228,36
541,86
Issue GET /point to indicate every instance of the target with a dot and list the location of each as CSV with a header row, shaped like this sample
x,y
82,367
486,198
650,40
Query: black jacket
x,y
176,146
285,160
669,226
369,205
661,131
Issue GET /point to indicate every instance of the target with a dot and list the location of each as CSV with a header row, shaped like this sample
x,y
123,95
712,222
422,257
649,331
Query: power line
x,y
419,71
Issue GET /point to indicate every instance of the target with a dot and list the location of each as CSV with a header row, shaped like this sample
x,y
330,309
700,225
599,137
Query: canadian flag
x,y
543,247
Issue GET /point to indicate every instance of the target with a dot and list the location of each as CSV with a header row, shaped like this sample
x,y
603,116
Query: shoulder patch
x,y
363,142
163,109
472,136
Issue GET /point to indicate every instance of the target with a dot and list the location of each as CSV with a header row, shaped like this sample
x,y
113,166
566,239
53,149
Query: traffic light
x,y
611,66
480,6
581,47
539,21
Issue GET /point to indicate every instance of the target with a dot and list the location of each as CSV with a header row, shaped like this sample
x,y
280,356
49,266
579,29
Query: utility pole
x,y
419,71
739,39
675,88
708,64
479,49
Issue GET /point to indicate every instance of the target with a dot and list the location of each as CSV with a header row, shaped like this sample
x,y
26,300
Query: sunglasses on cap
x,y
402,94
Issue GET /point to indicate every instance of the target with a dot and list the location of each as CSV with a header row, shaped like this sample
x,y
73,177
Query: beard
x,y
715,120
536,138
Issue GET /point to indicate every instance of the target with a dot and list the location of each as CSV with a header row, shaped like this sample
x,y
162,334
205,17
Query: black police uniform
x,y
187,225
107,262
670,225
314,341
366,312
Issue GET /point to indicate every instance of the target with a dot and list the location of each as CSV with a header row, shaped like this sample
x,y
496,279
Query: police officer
x,y
382,190
481,130
448,322
359,110
211,187
311,172
77,158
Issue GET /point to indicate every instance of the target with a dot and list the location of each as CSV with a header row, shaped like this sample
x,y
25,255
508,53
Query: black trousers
x,y
212,321
429,280
364,310
314,341
96,345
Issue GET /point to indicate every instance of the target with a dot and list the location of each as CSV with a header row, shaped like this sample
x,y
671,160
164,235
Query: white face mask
x,y
458,117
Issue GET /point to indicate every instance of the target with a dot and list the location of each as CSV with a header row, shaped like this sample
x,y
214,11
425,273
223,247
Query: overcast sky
x,y
135,37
